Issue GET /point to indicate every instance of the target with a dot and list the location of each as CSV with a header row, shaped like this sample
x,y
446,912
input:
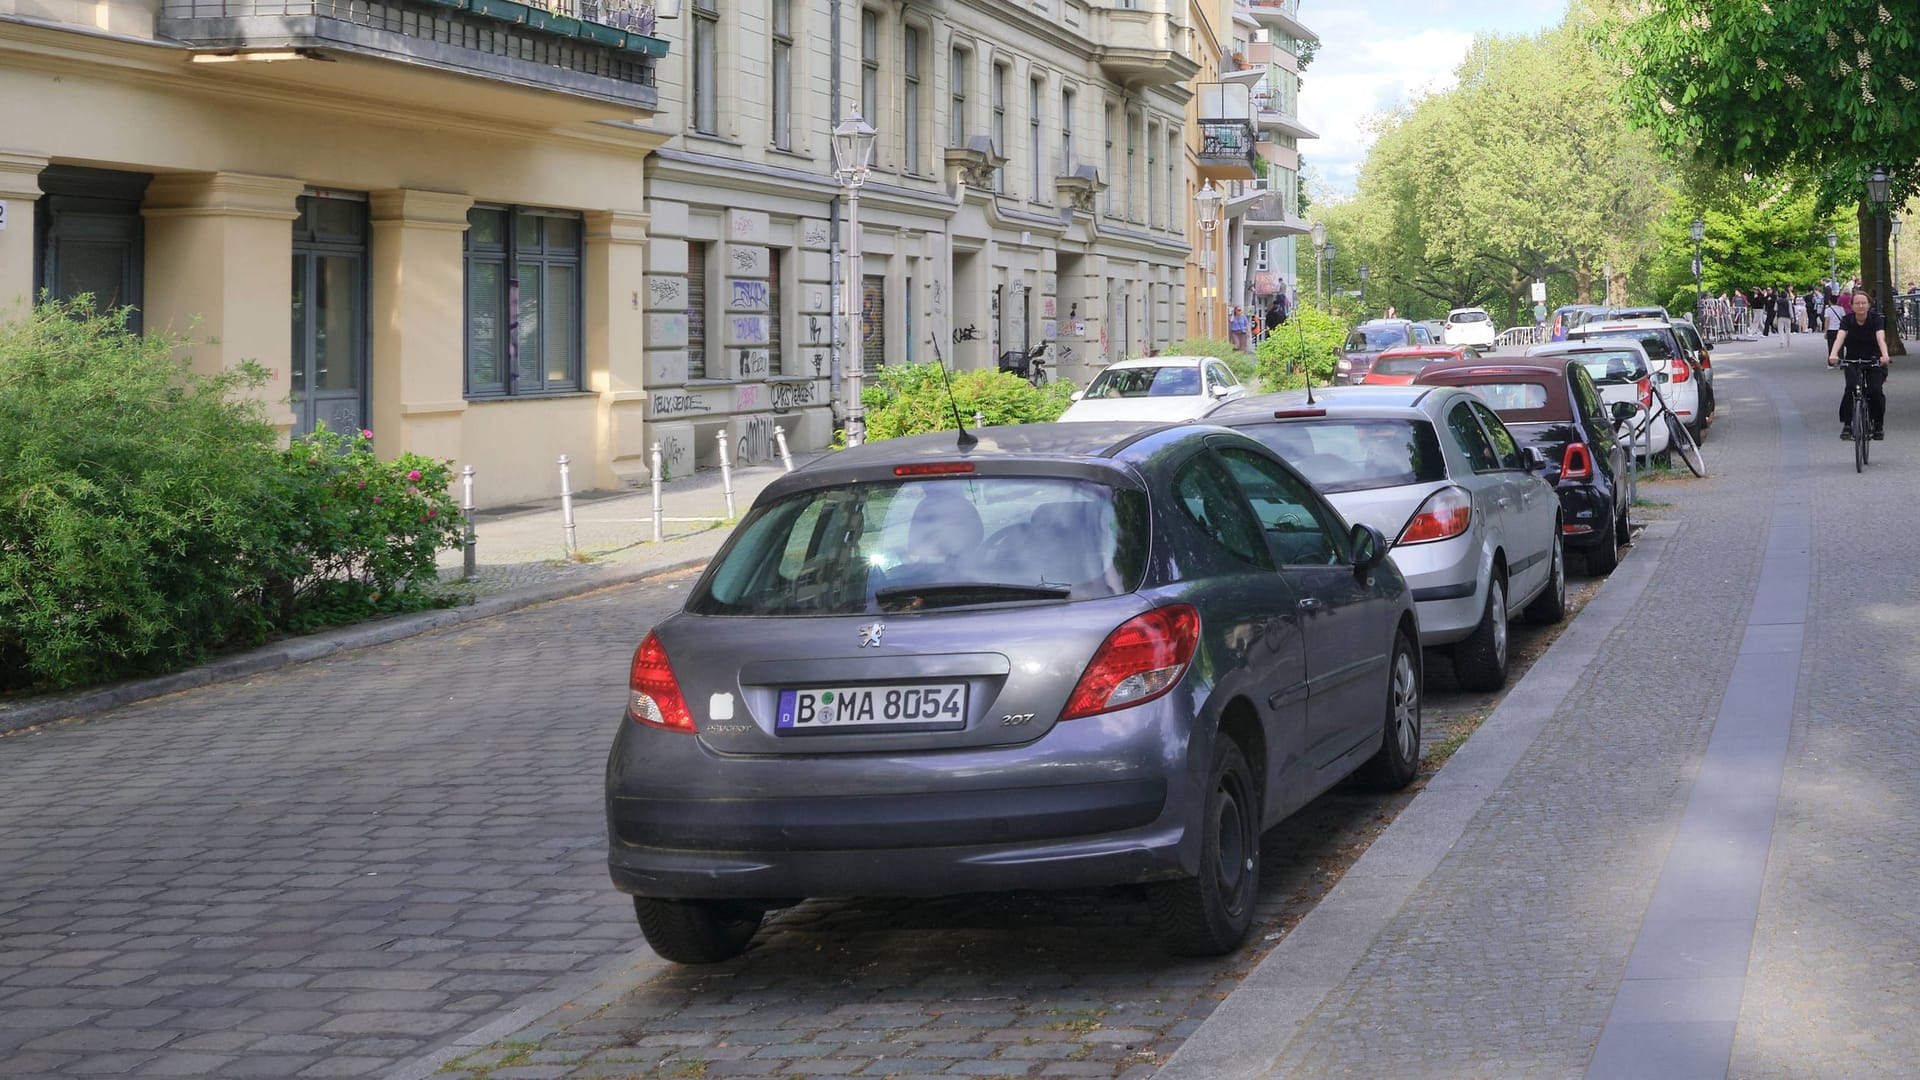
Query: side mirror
x,y
1369,547
1624,411
1220,391
1536,461
1077,395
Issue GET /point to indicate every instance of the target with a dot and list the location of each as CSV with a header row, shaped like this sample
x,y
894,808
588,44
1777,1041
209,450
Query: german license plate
x,y
926,705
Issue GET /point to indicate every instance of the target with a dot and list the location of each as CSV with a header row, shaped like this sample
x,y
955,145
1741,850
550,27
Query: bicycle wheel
x,y
1680,444
1861,436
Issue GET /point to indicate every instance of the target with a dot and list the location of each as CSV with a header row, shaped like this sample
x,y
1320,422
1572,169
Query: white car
x,y
1470,326
1621,372
1162,388
1678,382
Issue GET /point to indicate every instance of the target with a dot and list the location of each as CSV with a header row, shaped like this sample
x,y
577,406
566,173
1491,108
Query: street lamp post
x,y
1699,234
1893,230
1329,273
1363,288
852,159
1319,232
1207,209
1606,284
1833,245
1879,187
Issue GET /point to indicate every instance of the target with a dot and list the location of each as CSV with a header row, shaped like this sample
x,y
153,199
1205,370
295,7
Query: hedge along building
x,y
421,216
1021,191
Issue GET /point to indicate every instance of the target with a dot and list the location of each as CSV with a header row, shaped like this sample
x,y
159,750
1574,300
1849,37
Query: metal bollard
x,y
726,473
659,520
786,455
470,571
566,508
979,418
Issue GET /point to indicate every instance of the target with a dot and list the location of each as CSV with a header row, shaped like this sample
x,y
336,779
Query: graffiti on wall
x,y
667,293
815,234
673,456
679,403
756,441
753,364
749,294
792,395
750,328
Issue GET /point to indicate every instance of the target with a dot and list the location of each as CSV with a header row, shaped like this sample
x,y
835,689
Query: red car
x,y
1397,367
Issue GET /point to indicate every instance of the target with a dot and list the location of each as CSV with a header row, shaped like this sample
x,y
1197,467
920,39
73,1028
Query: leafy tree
x,y
1307,343
1830,91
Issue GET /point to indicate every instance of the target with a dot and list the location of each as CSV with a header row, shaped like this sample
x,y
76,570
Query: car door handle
x,y
1311,603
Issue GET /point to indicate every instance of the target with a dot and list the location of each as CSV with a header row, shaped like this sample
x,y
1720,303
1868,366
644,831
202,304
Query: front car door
x,y
1346,623
1529,535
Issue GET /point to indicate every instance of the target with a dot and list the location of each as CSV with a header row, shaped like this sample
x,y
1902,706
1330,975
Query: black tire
x,y
1604,555
1210,915
1480,662
1551,605
697,931
1398,759
1861,435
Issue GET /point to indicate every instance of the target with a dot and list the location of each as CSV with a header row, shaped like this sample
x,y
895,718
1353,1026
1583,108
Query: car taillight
x,y
1680,372
1646,392
1576,463
1143,658
1445,514
653,694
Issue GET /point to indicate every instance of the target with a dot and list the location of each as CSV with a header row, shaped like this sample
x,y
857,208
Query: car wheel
x,y
1394,765
1604,555
1480,662
1210,914
1551,605
697,931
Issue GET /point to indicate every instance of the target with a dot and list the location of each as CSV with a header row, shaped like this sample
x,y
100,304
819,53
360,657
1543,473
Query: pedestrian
x,y
1740,310
1392,312
1812,302
1863,336
1237,329
1766,311
1559,331
1277,312
1831,316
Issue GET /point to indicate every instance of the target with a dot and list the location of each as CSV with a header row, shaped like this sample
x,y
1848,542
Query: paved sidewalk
x,y
520,559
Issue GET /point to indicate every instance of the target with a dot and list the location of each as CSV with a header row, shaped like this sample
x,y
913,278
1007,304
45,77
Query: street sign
x,y
1539,292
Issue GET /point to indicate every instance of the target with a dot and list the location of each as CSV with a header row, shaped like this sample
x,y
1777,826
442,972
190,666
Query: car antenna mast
x,y
967,439
1305,367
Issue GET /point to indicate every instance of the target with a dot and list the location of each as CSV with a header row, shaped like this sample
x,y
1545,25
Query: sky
x,y
1377,54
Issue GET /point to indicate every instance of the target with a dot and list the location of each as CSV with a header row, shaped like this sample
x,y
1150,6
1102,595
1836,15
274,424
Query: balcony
x,y
1266,218
580,59
1226,150
1282,16
1276,115
1142,48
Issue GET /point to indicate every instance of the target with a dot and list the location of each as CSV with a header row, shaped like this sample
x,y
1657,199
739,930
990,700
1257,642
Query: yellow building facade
x,y
420,217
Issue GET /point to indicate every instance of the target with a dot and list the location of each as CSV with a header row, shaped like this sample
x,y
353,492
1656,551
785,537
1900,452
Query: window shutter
x,y
696,310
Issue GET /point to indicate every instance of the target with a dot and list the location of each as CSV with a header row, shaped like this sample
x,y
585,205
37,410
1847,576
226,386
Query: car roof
x,y
1458,310
1387,322
1420,350
1367,400
1584,345
1521,366
1161,361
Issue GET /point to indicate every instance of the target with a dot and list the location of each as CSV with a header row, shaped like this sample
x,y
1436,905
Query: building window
x,y
1133,160
1066,133
523,273
869,65
1035,152
911,105
1173,158
1000,123
873,323
1153,174
705,58
957,118
1108,177
776,315
696,310
782,68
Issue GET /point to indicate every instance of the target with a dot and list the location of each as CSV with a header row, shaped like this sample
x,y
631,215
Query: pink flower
x,y
413,474
366,433
363,483
433,513
376,499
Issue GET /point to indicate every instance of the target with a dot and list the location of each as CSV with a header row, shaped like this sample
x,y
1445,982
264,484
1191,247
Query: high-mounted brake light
x,y
1142,659
934,468
1445,515
653,694
1294,414
1576,463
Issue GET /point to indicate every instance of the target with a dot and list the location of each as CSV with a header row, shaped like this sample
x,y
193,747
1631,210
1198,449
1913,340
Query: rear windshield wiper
x,y
967,592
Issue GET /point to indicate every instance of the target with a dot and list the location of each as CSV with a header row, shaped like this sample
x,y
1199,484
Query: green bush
x,y
136,501
1243,364
1309,341
147,516
908,399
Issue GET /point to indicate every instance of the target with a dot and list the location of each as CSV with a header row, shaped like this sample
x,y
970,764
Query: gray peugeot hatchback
x,y
1064,655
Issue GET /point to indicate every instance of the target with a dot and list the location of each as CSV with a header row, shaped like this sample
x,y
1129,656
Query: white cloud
x,y
1376,57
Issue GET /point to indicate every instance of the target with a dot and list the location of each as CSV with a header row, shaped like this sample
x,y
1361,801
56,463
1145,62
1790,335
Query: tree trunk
x,y
1582,286
1876,276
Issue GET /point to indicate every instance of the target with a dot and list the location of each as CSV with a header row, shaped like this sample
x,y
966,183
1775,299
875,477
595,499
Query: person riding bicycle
x,y
1863,338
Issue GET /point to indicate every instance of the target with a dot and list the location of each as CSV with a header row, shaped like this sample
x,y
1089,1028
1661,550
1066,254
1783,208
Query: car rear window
x,y
1356,455
918,544
1613,368
1658,341
1510,397
1134,382
1403,365
1470,316
1375,338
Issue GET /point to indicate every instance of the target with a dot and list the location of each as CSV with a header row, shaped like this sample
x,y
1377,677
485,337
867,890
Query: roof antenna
x,y
967,440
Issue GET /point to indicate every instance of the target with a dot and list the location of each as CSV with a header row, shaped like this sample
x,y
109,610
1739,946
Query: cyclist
x,y
1862,336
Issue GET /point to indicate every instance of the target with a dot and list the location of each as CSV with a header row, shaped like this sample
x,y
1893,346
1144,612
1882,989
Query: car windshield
x,y
1657,340
1131,382
1611,368
1470,316
1356,455
1375,338
938,542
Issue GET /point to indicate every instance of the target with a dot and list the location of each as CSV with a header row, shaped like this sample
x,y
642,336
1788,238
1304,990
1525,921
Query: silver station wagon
x,y
1066,655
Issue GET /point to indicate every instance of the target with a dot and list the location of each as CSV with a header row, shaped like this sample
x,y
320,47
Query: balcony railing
x,y
1281,15
1228,142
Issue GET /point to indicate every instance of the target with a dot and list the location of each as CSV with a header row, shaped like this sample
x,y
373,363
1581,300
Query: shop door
x,y
329,314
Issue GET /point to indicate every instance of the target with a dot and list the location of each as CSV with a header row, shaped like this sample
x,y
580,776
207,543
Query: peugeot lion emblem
x,y
870,634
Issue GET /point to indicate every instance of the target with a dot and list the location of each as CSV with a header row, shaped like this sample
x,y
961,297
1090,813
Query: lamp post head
x,y
1878,186
1319,232
1329,251
1363,271
1833,239
853,149
1699,230
1894,226
1207,204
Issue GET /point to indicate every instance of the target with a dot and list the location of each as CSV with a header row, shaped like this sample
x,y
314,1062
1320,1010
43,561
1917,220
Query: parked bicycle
x,y
1030,365
1680,442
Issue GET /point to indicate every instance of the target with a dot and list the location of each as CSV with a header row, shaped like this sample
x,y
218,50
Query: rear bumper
x,y
1446,581
1585,511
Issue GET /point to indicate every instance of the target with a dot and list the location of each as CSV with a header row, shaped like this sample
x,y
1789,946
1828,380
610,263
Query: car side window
x,y
1587,397
1503,443
1472,441
1208,496
1223,375
1298,529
